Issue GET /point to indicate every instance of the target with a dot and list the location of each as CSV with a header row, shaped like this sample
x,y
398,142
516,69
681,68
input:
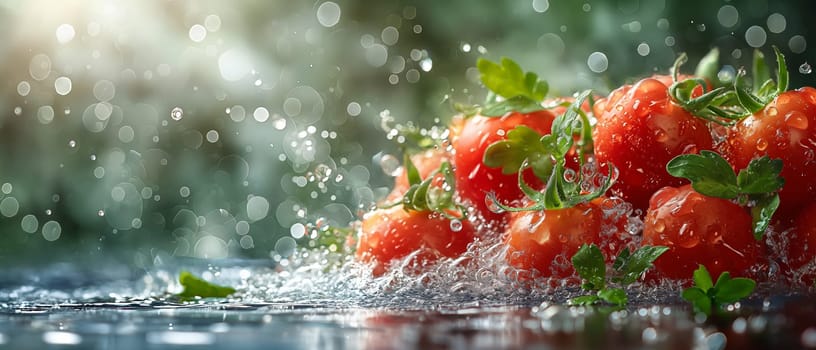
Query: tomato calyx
x,y
706,296
626,269
719,105
756,186
764,89
510,90
546,155
429,194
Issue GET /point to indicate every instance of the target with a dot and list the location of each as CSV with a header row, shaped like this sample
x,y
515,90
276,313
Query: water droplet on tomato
x,y
659,226
491,204
456,225
772,112
797,120
761,144
661,136
619,108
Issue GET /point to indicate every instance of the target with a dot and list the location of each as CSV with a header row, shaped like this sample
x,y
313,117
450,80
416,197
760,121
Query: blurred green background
x,y
132,130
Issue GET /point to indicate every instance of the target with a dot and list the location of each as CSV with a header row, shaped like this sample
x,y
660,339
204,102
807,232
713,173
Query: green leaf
x,y
709,66
411,170
566,125
621,259
781,72
708,172
702,279
585,300
732,290
638,262
589,263
759,70
522,143
196,287
508,80
698,299
761,214
520,104
614,296
761,176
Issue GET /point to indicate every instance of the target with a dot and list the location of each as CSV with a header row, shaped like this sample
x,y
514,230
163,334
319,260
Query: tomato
x,y
426,163
639,130
473,178
698,230
800,246
545,241
394,233
785,129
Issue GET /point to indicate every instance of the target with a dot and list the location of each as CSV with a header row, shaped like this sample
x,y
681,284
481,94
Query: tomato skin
x,y
474,179
639,130
800,249
785,129
393,233
545,241
698,230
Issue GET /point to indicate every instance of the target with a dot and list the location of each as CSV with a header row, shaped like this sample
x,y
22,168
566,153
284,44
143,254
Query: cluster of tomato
x,y
635,132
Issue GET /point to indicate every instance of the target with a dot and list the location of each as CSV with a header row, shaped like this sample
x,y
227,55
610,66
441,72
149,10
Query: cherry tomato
x,y
698,230
639,130
394,233
473,178
545,241
785,129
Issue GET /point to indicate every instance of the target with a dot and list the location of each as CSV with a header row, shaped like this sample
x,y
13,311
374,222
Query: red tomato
x,y
785,129
699,230
545,241
426,163
639,130
800,248
393,233
473,178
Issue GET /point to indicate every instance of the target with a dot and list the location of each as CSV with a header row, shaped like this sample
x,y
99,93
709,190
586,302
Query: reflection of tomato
x,y
639,130
699,230
801,244
473,178
393,233
785,129
545,241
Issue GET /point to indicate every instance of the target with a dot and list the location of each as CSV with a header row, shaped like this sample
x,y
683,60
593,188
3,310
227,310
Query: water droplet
x,y
72,143
65,33
390,165
796,119
805,68
659,226
597,62
491,204
177,113
761,144
755,36
100,212
456,225
328,14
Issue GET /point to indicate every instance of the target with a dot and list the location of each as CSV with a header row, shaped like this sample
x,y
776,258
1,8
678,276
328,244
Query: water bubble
x,y
456,225
643,49
242,227
797,44
353,109
212,23
805,68
234,64
809,338
412,75
198,33
6,188
100,212
40,67
212,136
247,242
177,113
597,62
126,134
328,14
104,90
65,33
210,247
29,223
9,207
51,230
389,35
777,23
376,55
755,36
261,114
390,165
72,143
45,114
297,231
285,246
728,16
23,88
541,6
426,64
184,191
669,41
257,208
62,85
